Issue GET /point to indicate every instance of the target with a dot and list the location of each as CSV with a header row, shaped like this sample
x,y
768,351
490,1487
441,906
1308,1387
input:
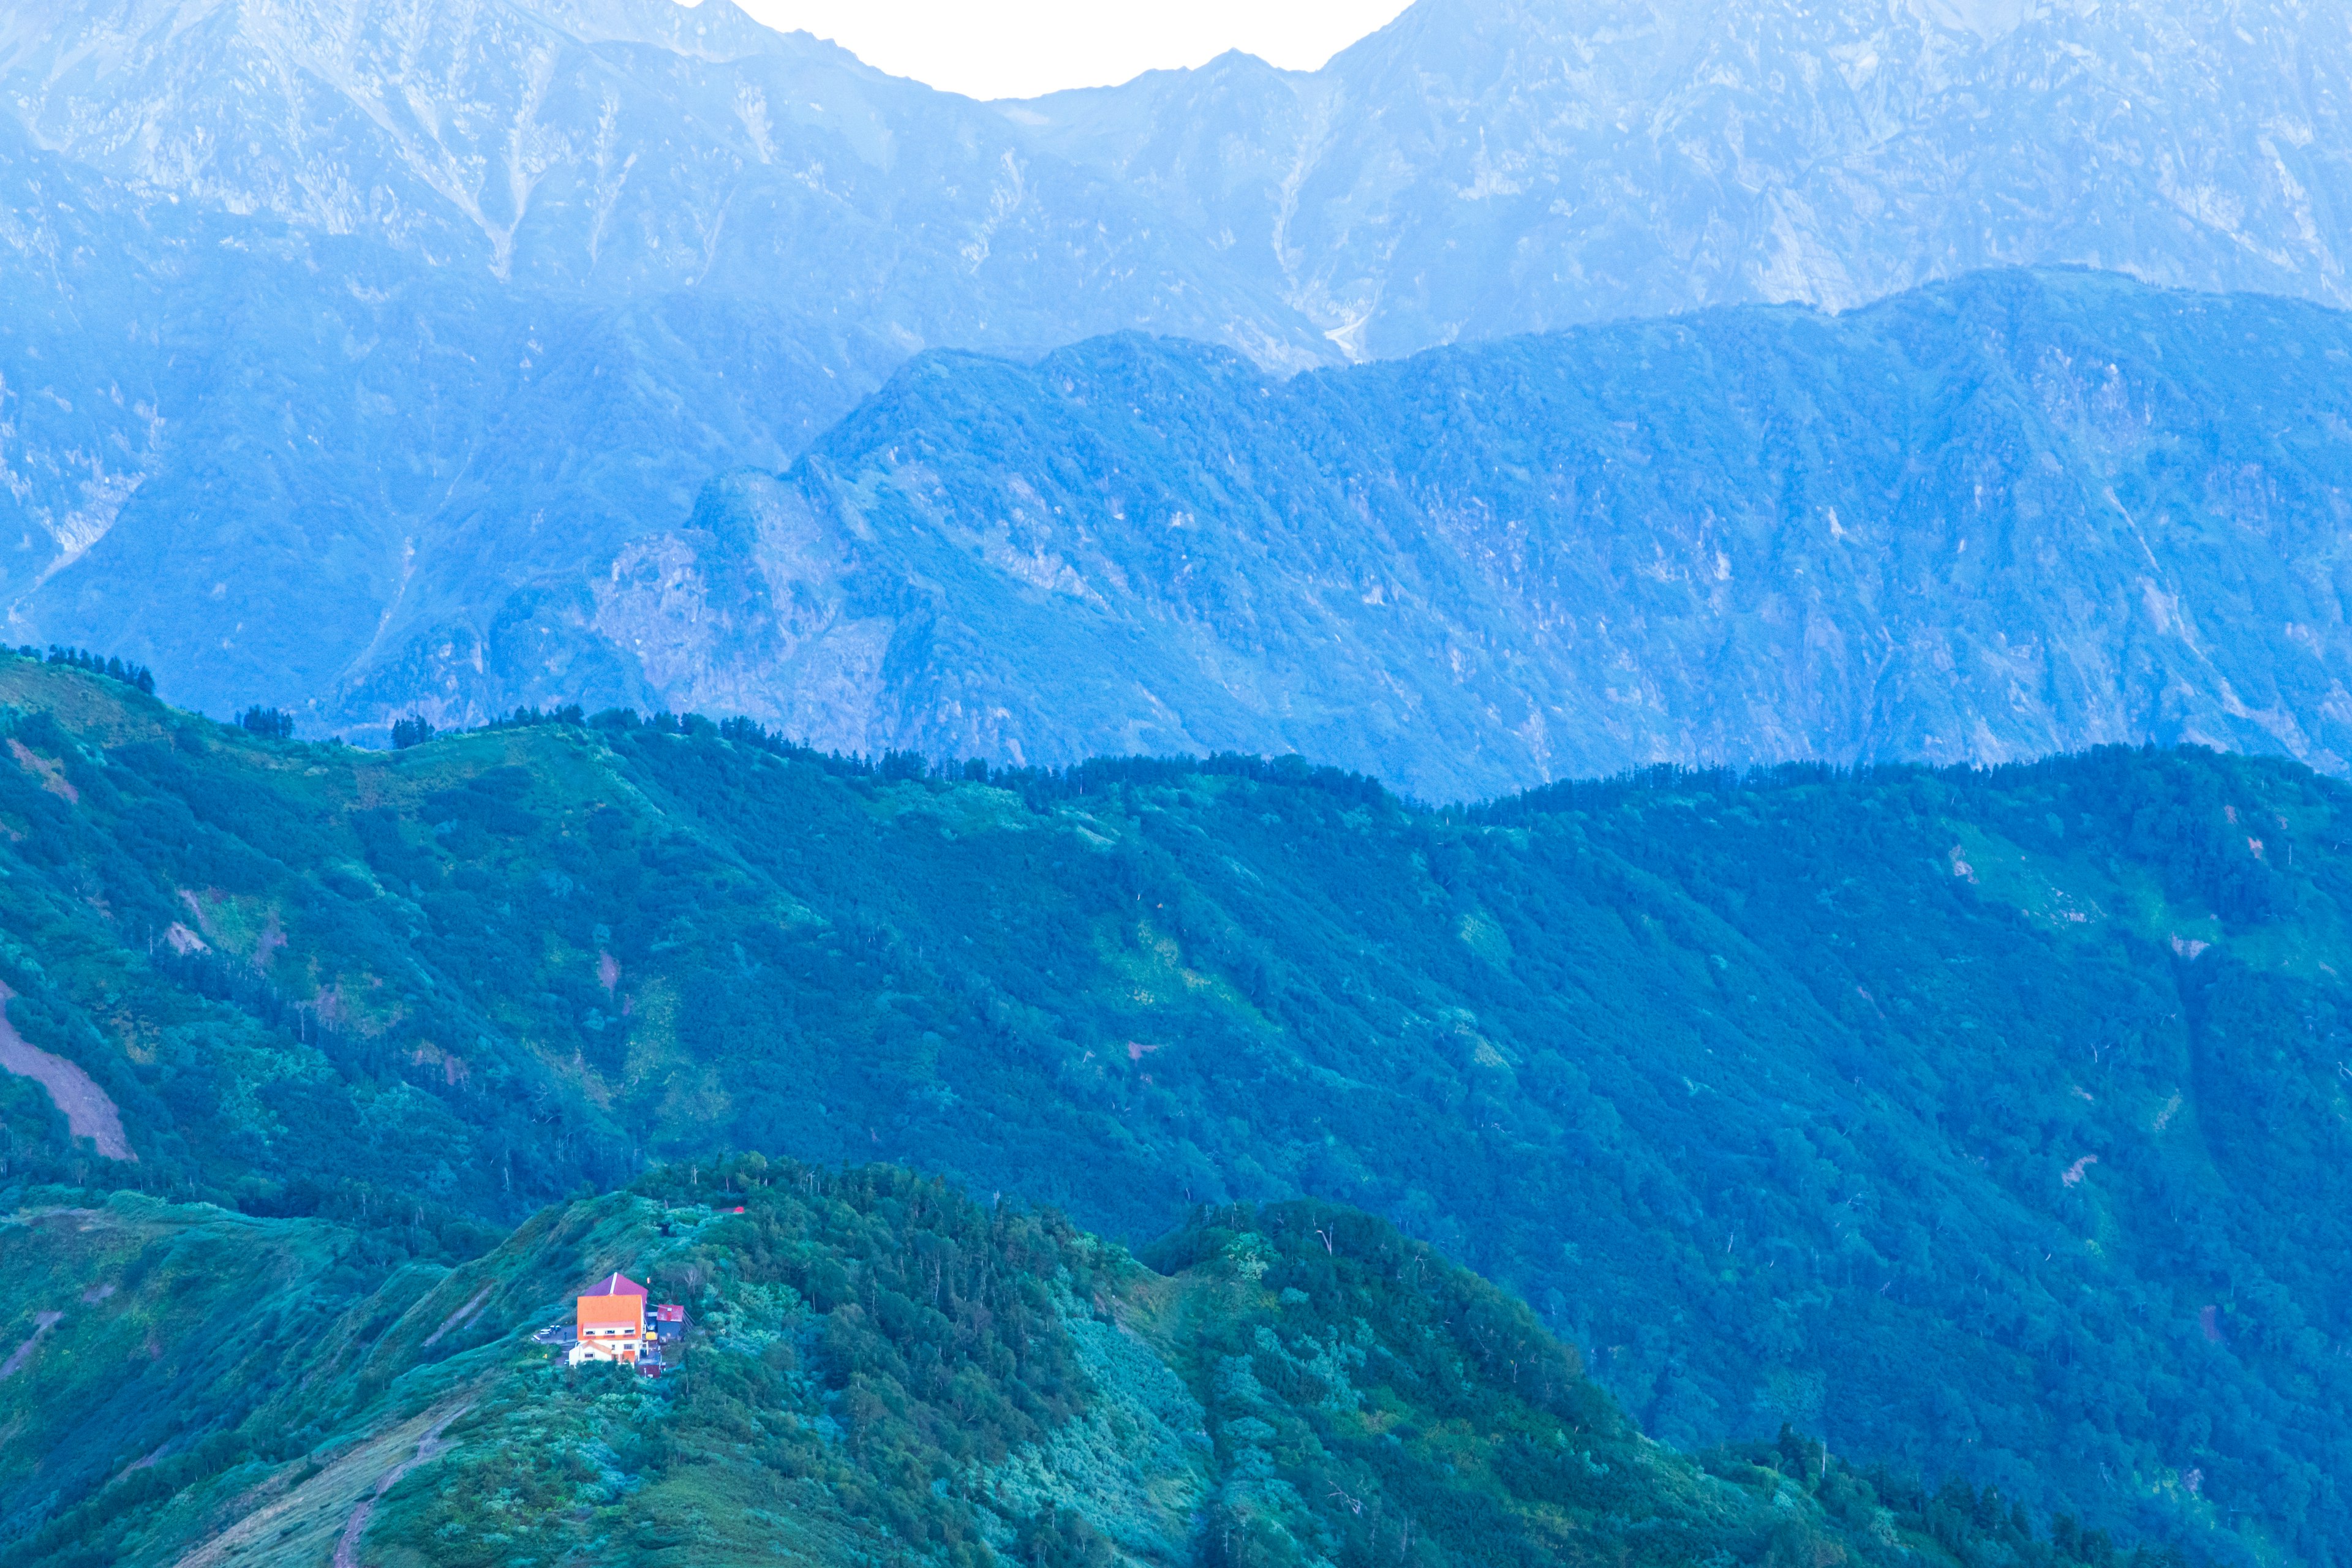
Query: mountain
x,y
1991,519
1483,167
606,150
878,1369
347,333
353,344
1986,1124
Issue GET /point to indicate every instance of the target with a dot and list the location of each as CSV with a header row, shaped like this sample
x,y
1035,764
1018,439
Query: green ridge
x,y
1902,1108
882,1370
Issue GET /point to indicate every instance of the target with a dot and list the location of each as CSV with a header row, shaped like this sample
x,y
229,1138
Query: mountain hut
x,y
611,1322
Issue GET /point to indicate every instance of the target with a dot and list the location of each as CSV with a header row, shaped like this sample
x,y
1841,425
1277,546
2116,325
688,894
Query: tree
x,y
272,723
413,730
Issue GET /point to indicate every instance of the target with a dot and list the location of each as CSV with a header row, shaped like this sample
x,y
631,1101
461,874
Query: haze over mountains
x,y
1989,520
1536,391
1489,166
354,346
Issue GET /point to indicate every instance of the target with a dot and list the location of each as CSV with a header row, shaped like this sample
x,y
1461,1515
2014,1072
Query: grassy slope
x,y
212,1375
1889,1107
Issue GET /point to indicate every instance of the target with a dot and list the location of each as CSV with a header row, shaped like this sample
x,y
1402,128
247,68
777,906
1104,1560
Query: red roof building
x,y
611,1327
617,1285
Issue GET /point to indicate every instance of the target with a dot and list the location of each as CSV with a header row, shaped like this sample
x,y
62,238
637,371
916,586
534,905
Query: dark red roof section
x,y
617,1285
669,1314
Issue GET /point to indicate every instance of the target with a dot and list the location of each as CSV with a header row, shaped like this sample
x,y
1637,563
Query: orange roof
x,y
612,1311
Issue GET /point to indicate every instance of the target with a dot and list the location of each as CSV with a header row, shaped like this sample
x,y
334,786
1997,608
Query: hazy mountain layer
x,y
1991,519
348,343
610,149
338,332
1986,1122
1482,167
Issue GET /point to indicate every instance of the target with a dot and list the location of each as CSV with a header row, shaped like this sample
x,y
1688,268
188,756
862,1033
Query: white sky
x,y
1019,48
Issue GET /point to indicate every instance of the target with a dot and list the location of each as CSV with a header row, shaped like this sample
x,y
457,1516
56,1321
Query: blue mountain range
x,y
1536,523
365,361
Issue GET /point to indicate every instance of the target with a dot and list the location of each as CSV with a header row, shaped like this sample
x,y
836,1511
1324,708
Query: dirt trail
x,y
347,1548
451,1320
88,1113
333,1506
42,1323
49,770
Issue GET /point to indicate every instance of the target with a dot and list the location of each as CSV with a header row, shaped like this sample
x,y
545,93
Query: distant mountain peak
x,y
1486,166
711,30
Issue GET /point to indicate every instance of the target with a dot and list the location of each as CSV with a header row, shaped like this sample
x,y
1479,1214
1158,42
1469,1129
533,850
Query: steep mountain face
x,y
1482,167
1987,1124
614,149
352,344
282,454
345,334
878,1370
1991,519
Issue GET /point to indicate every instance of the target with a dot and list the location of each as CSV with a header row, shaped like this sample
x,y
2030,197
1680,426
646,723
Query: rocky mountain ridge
x,y
1987,521
356,341
1483,167
403,313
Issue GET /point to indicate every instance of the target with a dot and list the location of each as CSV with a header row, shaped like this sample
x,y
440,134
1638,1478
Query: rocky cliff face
x,y
1991,519
612,149
347,334
1490,166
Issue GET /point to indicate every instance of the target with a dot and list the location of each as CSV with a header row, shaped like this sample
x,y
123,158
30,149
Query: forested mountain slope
x,y
1979,1121
2019,513
878,1370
